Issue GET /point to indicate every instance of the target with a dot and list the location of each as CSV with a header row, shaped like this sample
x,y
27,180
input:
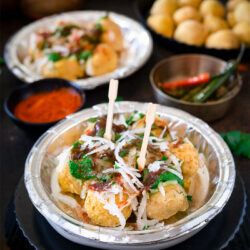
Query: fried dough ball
x,y
231,5
200,183
231,19
162,24
161,207
191,32
242,12
212,7
101,216
214,23
193,3
223,39
164,7
68,68
186,13
104,60
112,34
242,30
189,155
68,183
158,122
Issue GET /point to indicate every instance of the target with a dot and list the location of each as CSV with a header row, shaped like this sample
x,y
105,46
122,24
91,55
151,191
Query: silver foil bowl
x,y
137,47
190,65
41,161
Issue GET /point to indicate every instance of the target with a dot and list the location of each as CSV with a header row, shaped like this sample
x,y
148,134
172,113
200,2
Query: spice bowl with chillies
x,y
40,105
202,85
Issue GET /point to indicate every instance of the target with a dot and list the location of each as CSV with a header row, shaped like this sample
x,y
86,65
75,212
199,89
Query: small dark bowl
x,y
39,86
190,65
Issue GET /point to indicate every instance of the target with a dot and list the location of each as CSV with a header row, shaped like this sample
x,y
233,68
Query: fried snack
x,y
186,13
192,3
231,19
242,12
214,23
104,60
189,155
242,30
165,7
68,183
223,39
191,32
231,5
68,68
162,207
162,24
212,7
112,34
99,215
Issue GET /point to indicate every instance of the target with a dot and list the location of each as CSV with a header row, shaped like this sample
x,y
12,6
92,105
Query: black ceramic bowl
x,y
142,9
43,85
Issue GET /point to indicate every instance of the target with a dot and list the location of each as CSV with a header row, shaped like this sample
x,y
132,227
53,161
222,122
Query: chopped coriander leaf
x,y
124,152
116,166
136,165
129,121
100,132
82,169
145,227
104,178
154,126
85,55
98,26
189,197
138,144
145,173
166,176
119,99
141,115
140,135
164,158
65,30
92,119
117,136
76,144
54,57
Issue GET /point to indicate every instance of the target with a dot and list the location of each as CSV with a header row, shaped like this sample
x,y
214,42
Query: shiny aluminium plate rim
x,y
178,231
138,47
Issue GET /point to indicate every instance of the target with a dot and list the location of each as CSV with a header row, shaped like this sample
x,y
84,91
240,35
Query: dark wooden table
x,y
16,143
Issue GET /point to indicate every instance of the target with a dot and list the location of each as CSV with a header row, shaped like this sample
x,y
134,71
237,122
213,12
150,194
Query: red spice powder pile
x,y
48,106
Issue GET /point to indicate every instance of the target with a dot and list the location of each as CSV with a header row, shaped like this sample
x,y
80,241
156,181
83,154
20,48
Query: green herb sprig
x,y
238,142
82,169
166,176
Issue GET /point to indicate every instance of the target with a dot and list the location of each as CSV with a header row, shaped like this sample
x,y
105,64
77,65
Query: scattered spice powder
x,y
49,106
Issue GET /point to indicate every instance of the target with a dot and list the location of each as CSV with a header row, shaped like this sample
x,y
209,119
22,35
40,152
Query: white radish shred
x,y
107,198
174,172
100,144
84,191
163,132
161,189
142,221
155,166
